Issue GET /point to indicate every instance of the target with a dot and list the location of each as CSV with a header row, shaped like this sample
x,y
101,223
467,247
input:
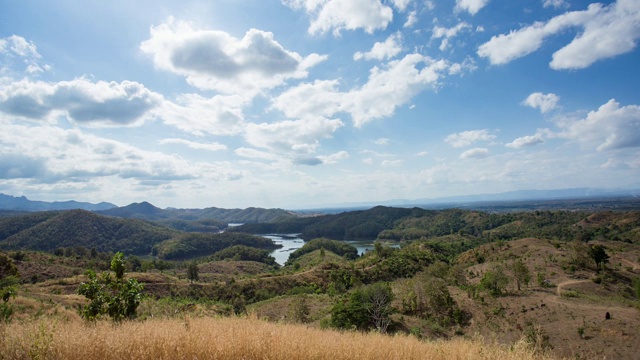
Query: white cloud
x,y
319,98
608,31
67,156
339,15
382,141
382,50
611,127
219,115
80,101
292,137
255,154
543,102
334,158
477,153
392,162
387,88
526,141
215,60
214,146
471,6
554,3
445,34
467,138
393,86
401,5
15,46
412,19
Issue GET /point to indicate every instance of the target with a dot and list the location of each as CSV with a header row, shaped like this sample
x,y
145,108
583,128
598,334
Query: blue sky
x,y
305,103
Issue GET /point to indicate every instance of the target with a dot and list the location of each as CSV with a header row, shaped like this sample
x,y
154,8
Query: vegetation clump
x,y
116,297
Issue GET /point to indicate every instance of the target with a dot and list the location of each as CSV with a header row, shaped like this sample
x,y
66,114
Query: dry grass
x,y
225,338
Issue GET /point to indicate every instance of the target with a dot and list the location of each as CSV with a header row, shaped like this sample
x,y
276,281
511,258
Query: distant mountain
x,y
143,210
471,201
147,211
8,202
47,231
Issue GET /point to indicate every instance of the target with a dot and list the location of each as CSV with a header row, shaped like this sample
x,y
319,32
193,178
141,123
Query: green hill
x,y
50,230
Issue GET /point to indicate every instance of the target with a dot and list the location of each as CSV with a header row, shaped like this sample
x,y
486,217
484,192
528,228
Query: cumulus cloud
x,y
608,31
300,137
526,141
543,102
467,138
412,19
445,34
554,4
611,127
471,6
382,50
80,100
334,158
388,87
382,141
51,154
215,60
193,113
394,85
369,15
319,98
195,145
401,5
17,47
477,153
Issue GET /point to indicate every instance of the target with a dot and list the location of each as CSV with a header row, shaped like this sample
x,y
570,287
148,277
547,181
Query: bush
x,y
115,297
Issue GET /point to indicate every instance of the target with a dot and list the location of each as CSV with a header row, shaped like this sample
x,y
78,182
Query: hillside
x,y
51,230
359,224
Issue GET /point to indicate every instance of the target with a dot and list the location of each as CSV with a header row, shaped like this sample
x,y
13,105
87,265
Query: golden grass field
x,y
227,338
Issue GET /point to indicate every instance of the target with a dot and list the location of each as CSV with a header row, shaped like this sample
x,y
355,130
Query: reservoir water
x,y
291,242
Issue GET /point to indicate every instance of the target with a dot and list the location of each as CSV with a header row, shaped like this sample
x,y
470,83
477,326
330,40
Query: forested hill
x,y
47,231
361,224
414,224
148,211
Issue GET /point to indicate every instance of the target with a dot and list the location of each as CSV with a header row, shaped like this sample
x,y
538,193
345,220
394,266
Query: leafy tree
x,y
599,255
192,272
367,307
495,281
8,280
115,297
521,273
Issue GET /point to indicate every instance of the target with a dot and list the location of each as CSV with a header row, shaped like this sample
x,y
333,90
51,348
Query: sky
x,y
307,103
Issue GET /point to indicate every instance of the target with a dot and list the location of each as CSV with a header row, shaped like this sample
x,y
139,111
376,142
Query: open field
x,y
228,338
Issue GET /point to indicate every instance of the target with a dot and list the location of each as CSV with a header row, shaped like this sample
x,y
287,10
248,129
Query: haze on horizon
x,y
300,103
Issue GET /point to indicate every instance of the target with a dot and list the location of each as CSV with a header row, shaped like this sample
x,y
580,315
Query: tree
x,y
115,297
378,299
8,280
495,281
521,273
299,309
367,307
192,272
599,255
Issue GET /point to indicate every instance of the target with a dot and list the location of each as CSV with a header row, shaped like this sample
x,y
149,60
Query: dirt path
x,y
568,282
635,265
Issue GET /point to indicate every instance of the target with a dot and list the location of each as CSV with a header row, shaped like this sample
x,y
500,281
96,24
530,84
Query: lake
x,y
291,242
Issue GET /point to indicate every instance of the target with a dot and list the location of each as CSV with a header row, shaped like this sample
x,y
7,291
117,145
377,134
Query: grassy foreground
x,y
226,338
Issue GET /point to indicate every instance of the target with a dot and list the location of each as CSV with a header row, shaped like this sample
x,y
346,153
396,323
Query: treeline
x,y
352,225
558,225
199,244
